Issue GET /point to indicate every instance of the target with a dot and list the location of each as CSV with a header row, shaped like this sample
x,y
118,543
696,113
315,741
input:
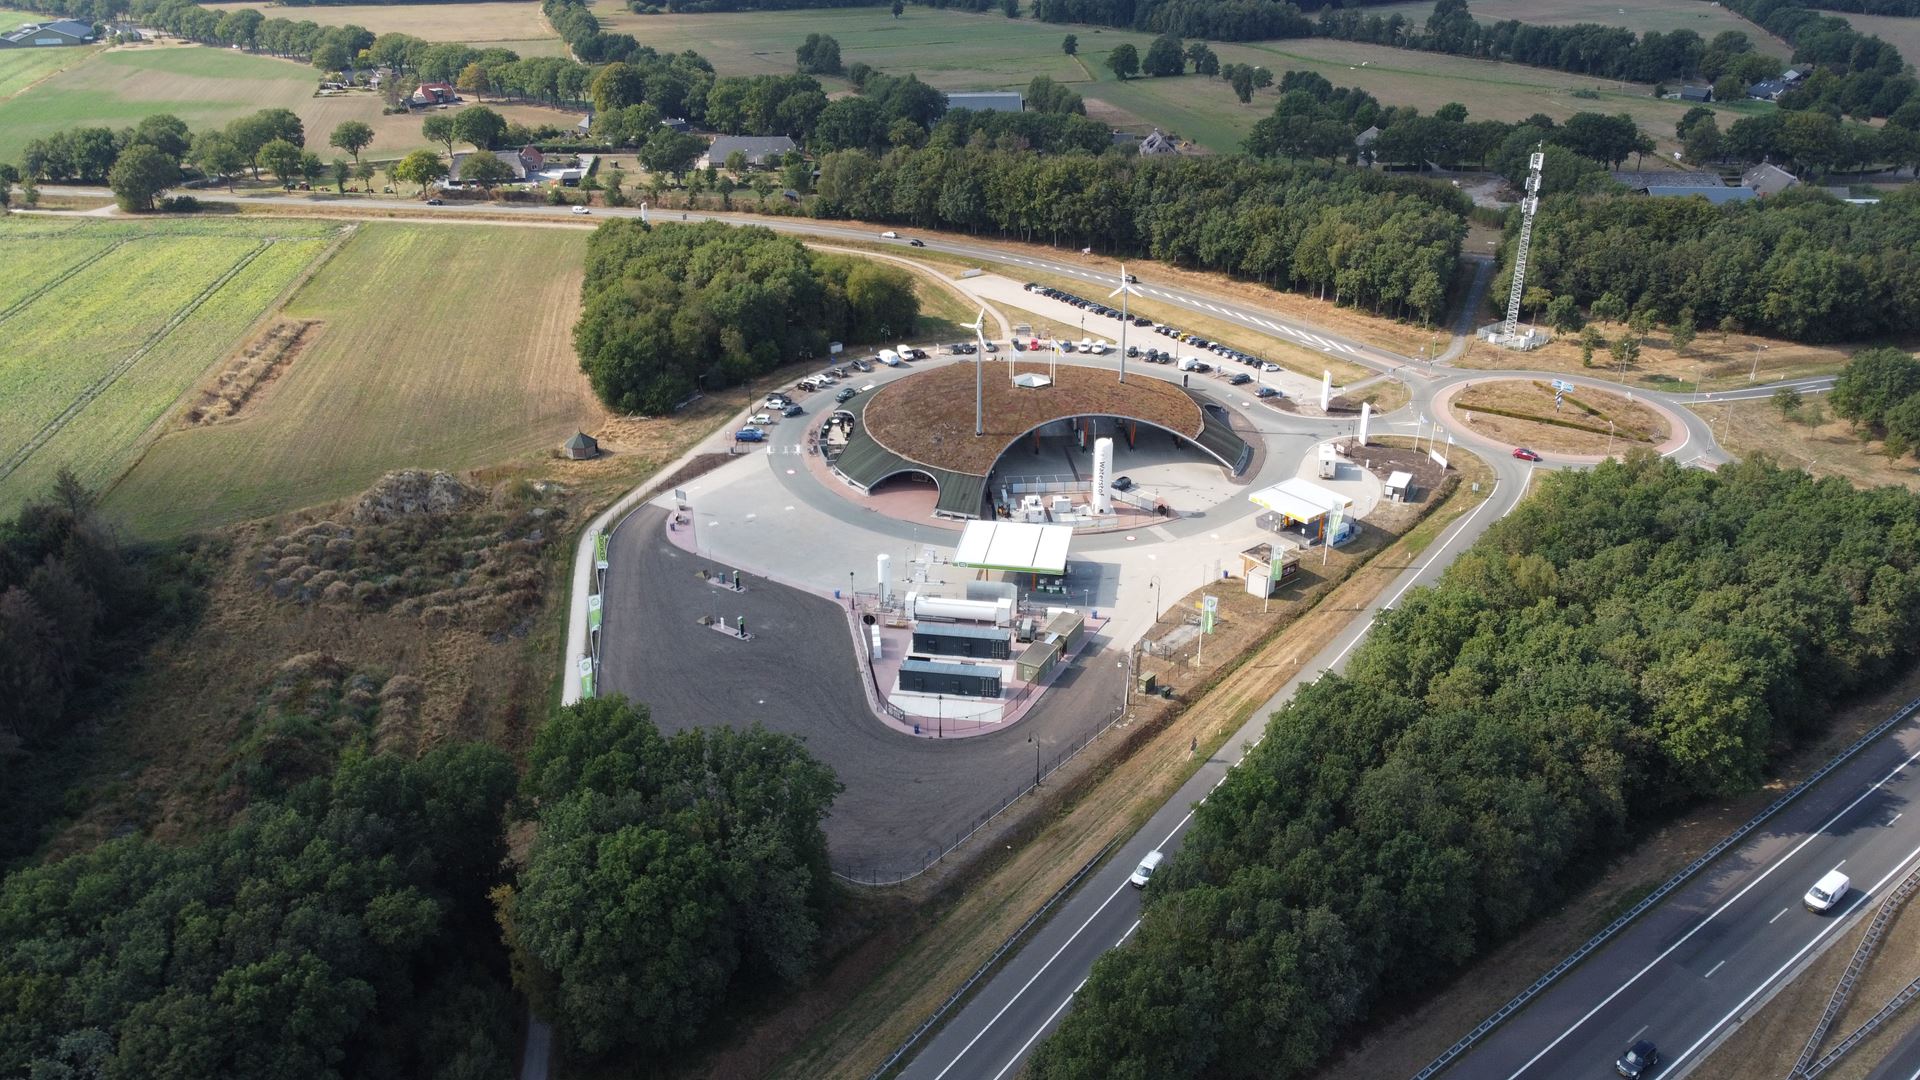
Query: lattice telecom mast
x,y
1527,207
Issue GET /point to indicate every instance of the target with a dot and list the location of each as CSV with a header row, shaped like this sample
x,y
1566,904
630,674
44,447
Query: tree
x,y
480,126
1124,61
1165,56
1683,331
473,80
363,172
341,171
165,133
1608,308
140,175
9,176
1729,88
819,54
421,167
1590,340
1788,401
282,158
352,136
485,169
1625,350
1010,8
640,907
898,7
216,157
1874,382
1203,58
311,167
737,161
1070,45
439,127
671,152
1563,313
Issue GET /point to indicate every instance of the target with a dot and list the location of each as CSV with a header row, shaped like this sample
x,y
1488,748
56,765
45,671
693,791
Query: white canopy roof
x,y
1014,545
1298,499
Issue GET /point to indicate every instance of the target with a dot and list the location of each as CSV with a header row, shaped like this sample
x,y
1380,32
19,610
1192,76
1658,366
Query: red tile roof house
x,y
435,93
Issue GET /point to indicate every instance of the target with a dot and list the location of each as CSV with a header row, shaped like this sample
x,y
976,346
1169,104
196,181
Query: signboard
x,y
1209,605
1438,459
680,495
600,551
586,676
1563,386
593,612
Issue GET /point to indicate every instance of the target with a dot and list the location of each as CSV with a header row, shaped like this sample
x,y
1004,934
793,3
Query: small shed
x,y
1329,462
1696,93
1266,567
581,447
918,675
1069,627
959,639
1400,486
1037,659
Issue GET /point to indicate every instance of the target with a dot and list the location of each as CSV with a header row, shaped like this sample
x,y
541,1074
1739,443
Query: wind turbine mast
x,y
1126,318
979,373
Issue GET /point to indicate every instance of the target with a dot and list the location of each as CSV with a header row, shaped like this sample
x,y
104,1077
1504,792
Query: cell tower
x,y
1528,206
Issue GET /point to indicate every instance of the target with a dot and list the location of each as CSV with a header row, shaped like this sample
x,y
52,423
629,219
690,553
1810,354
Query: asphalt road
x,y
991,1035
1690,969
1902,1062
906,798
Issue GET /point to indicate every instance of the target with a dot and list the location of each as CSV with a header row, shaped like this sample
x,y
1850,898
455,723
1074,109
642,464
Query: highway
x,y
1689,969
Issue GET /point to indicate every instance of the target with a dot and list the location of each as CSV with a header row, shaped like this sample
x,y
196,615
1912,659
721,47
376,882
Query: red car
x,y
1525,454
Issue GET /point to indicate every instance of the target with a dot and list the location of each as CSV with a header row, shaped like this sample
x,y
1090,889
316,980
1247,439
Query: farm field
x,y
1902,33
119,320
21,68
207,87
960,50
441,347
1639,16
487,23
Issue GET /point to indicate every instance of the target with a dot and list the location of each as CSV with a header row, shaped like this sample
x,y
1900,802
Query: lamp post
x,y
850,576
1154,584
1754,374
1036,760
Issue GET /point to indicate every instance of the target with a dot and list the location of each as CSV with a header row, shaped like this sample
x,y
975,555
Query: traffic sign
x,y
1563,386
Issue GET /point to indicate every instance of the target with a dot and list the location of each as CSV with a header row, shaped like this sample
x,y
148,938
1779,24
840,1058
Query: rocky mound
x,y
412,492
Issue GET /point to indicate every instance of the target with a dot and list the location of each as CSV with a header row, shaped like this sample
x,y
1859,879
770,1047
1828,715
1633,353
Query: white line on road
x,y
1776,918
1713,969
1051,1017
1716,913
1827,928
1838,865
1896,817
1125,936
1635,1037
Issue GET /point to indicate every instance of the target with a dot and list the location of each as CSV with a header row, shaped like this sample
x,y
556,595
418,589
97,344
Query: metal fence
x,y
1876,934
1521,1000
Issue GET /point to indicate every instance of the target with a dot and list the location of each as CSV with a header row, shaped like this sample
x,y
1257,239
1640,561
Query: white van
x,y
889,358
1189,363
1144,872
1827,892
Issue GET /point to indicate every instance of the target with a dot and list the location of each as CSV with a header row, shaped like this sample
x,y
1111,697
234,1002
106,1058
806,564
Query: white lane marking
x,y
984,1028
1897,817
1716,913
1051,1017
1123,937
1826,928
1516,498
1635,1037
1713,969
1776,918
1838,865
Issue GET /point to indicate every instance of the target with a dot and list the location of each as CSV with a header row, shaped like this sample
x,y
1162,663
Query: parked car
x,y
750,434
1525,454
992,348
1269,366
845,395
1144,872
889,235
761,418
1240,378
1638,1061
581,210
1267,392
1123,483
790,409
862,365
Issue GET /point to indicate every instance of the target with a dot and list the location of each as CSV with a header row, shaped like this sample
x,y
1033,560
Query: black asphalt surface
x,y
1690,969
906,798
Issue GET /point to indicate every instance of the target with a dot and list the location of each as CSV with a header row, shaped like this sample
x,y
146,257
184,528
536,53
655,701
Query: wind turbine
x,y
1125,290
978,326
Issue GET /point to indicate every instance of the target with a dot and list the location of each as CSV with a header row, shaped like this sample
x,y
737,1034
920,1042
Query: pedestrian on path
x,y
1193,747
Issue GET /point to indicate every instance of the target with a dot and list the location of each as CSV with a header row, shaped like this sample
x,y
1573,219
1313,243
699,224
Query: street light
x,y
1754,375
1154,583
850,575
1036,760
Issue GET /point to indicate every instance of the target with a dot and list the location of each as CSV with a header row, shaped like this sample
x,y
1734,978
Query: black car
x,y
790,409
1142,320
435,202
1133,350
1639,1060
1241,378
917,243
1123,483
845,395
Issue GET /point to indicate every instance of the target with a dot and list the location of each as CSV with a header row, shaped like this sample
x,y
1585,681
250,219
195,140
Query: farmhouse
x,y
1767,89
434,93
46,35
759,150
1696,93
525,162
1767,180
987,101
1157,142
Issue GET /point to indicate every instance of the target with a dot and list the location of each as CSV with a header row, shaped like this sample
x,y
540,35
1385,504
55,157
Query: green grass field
x,y
113,322
507,23
1639,16
1901,32
439,346
205,87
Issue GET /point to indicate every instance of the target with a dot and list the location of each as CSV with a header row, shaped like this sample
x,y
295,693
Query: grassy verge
x,y
1811,440
932,947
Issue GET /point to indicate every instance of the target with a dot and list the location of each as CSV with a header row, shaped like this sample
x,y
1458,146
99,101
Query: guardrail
x,y
1525,997
1012,939
1862,956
